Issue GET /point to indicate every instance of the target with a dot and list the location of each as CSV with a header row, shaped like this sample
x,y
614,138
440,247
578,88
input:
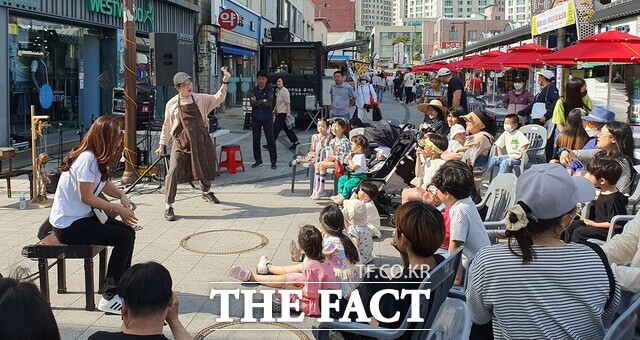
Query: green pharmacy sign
x,y
115,8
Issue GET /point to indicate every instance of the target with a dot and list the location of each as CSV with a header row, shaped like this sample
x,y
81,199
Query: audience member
x,y
624,248
434,117
575,97
24,314
355,214
514,142
603,172
147,302
533,286
357,169
418,234
458,137
453,186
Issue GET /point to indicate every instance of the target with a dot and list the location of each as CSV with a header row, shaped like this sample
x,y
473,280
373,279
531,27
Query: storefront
x,y
238,50
77,50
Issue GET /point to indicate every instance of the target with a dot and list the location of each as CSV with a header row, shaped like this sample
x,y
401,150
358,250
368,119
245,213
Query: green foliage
x,y
403,39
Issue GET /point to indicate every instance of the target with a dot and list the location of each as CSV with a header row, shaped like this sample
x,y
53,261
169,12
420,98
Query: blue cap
x,y
600,115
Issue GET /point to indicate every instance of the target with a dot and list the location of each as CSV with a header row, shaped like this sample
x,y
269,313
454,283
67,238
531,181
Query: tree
x,y
417,43
403,39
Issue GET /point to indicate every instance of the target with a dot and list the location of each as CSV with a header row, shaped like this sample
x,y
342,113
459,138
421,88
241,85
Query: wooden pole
x,y
129,175
34,138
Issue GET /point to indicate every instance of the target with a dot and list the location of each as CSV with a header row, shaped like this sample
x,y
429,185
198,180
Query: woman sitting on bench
x,y
85,174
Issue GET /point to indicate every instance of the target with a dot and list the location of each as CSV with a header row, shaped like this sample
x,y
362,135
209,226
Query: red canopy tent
x,y
522,57
477,61
431,67
611,46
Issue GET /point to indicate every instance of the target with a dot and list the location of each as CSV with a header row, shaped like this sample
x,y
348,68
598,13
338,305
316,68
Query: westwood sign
x,y
115,8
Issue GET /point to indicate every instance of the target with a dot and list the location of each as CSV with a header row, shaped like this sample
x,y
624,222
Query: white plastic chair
x,y
500,195
537,136
614,221
453,321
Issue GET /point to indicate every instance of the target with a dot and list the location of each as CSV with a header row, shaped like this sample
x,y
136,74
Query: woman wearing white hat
x,y
536,286
366,99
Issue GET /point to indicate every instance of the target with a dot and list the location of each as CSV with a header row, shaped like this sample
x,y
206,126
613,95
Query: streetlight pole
x,y
464,35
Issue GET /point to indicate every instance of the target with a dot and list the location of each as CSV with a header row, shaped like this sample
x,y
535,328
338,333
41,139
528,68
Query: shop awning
x,y
236,51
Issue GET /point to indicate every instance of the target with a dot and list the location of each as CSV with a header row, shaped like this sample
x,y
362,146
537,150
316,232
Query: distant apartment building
x,y
370,13
518,10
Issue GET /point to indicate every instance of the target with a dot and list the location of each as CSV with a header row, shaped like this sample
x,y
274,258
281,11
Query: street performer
x,y
186,125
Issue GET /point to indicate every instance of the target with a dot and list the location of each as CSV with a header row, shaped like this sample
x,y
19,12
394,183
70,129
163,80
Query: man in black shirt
x,y
456,95
147,302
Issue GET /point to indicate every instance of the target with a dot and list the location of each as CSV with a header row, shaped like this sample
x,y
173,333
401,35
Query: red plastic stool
x,y
231,163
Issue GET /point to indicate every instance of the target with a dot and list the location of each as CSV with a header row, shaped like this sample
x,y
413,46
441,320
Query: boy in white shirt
x,y
514,142
357,163
457,134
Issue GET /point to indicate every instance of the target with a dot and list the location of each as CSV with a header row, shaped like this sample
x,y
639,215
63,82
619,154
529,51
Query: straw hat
x,y
436,104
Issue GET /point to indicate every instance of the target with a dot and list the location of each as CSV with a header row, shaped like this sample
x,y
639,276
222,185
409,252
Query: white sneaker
x,y
113,306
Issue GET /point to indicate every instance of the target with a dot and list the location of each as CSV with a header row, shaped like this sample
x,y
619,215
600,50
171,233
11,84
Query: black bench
x,y
43,252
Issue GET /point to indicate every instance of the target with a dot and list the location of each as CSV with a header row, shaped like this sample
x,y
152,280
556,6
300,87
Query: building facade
x,y
370,13
384,52
398,12
448,33
341,14
444,8
68,46
518,10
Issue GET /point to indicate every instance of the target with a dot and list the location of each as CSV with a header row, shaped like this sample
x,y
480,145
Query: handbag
x,y
377,114
290,121
339,171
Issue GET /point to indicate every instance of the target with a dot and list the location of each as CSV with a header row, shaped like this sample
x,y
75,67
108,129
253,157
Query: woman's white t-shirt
x,y
67,206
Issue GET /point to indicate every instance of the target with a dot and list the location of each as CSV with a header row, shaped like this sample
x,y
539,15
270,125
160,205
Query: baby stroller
x,y
396,173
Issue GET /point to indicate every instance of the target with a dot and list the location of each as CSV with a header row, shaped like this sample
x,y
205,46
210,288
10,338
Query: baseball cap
x,y
600,115
180,78
549,191
547,74
443,72
518,80
385,151
456,129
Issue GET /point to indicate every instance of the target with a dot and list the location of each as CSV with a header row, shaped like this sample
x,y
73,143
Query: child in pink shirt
x,y
317,274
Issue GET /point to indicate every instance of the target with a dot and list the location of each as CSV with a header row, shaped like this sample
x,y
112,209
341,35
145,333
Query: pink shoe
x,y
239,273
317,195
263,265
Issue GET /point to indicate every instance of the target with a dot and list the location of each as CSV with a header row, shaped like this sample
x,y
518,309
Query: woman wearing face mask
x,y
366,98
518,98
575,97
506,280
594,122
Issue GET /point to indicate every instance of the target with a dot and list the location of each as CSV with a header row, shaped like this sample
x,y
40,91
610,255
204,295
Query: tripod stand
x,y
162,158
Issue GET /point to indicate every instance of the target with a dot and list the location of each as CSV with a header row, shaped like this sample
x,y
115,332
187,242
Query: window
x,y
473,35
520,2
448,10
453,35
448,2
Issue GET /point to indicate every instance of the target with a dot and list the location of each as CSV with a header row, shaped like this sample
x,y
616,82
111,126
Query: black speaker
x,y
165,58
280,34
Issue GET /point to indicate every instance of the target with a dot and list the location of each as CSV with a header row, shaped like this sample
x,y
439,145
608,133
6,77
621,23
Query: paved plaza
x,y
258,215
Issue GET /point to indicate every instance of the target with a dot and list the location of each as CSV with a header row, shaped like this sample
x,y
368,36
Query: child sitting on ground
x,y
339,147
382,153
428,162
367,193
454,184
515,143
458,135
337,247
358,169
355,214
319,141
317,273
603,172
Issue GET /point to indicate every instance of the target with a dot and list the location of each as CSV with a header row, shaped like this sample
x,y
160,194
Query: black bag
x,y
355,113
214,122
377,114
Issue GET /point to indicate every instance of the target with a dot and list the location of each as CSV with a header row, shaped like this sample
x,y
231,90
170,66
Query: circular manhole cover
x,y
245,328
224,242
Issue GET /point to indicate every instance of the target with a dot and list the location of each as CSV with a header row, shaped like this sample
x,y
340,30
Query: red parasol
x,y
432,67
478,61
522,57
611,46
